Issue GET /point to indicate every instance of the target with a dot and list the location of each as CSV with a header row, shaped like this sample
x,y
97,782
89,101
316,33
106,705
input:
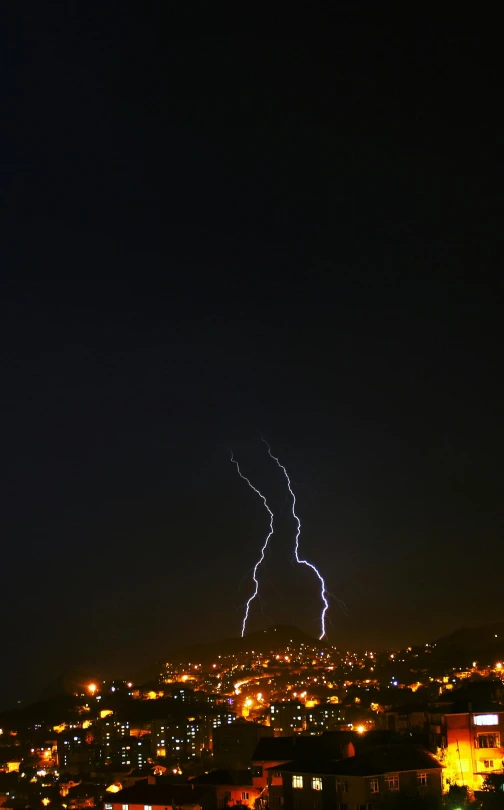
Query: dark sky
x,y
207,233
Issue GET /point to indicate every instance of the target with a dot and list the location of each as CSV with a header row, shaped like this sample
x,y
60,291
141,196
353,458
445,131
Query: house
x,y
272,751
217,789
162,797
232,787
408,717
362,782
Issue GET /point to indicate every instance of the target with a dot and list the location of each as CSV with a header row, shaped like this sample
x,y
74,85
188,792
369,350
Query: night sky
x,y
206,234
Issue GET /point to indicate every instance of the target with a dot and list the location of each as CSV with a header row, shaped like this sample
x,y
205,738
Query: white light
x,y
486,720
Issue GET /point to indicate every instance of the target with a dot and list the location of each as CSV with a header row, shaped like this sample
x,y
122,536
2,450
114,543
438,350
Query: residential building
x,y
234,743
324,717
182,739
213,791
414,717
131,752
274,751
287,718
364,781
472,742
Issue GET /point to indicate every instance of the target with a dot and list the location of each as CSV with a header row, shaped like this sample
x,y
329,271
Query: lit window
x,y
244,795
486,720
316,783
297,781
422,779
488,741
108,807
488,763
124,807
374,786
147,807
392,782
342,785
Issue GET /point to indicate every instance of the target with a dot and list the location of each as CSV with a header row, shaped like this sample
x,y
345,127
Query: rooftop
x,y
385,759
166,795
269,749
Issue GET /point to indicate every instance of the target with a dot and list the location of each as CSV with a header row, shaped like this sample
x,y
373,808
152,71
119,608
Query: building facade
x,y
363,782
472,744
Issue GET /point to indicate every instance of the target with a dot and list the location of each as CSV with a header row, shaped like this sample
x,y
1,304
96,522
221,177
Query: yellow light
x,y
360,729
45,801
498,665
92,687
260,697
105,713
248,702
113,788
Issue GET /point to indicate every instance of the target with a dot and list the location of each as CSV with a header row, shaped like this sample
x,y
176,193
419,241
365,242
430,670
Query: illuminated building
x,y
324,717
472,737
76,752
287,718
182,740
109,729
130,751
365,780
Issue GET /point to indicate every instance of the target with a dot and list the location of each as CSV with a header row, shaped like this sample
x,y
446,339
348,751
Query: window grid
x,y
491,740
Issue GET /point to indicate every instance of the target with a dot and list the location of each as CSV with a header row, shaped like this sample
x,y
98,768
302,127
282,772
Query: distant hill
x,y
472,638
262,641
467,644
70,682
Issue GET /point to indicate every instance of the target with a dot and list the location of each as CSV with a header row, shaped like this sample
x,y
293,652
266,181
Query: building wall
x,y
357,792
462,757
287,718
234,744
262,777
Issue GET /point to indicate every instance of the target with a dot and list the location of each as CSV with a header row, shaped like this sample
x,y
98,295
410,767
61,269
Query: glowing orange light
x,y
92,687
360,729
45,801
498,665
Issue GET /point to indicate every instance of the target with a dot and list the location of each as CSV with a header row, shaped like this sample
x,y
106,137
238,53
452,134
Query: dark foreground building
x,y
363,782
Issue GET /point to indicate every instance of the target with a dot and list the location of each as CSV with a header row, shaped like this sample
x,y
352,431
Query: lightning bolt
x,y
263,549
323,591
